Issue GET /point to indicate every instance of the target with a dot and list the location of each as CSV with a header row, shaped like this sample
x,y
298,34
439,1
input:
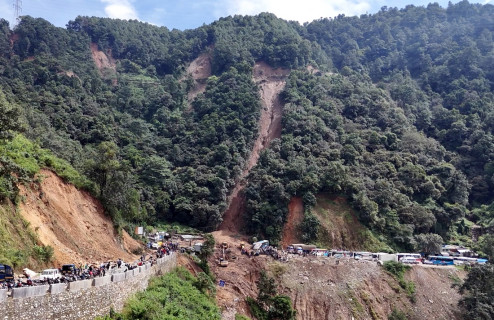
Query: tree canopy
x,y
394,110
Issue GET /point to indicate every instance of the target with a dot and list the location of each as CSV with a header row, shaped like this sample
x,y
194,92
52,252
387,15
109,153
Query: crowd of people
x,y
88,270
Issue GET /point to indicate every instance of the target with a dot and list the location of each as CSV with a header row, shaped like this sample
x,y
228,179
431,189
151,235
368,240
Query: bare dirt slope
x,y
340,227
73,223
239,276
271,82
105,63
321,289
291,233
200,70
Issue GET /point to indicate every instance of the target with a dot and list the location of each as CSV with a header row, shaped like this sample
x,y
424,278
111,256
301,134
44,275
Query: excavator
x,y
223,262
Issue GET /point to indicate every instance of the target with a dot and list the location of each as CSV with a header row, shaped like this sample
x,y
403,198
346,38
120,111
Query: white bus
x,y
416,256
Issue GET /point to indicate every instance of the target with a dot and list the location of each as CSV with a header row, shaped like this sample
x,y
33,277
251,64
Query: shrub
x,y
397,315
398,269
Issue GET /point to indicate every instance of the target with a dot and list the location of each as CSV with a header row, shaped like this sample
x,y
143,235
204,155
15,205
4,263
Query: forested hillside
x,y
393,110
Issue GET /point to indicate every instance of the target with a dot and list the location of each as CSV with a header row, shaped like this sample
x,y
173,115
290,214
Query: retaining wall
x,y
3,295
84,299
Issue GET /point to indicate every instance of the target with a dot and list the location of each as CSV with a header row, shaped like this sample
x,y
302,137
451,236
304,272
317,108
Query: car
x,y
50,274
68,269
409,260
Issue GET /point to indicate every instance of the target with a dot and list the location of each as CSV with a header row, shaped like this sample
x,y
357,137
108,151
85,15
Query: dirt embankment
x,y
73,223
200,70
291,229
271,82
105,63
321,289
340,227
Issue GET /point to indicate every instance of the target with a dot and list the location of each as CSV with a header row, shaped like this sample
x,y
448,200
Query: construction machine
x,y
223,262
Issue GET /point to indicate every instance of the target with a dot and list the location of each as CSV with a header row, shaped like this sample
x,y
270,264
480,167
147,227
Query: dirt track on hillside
x,y
73,223
271,82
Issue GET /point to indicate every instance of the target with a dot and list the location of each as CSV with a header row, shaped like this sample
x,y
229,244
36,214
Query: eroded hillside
x,y
271,82
320,288
72,222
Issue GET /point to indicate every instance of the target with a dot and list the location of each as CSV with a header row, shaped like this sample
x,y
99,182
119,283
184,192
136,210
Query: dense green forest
x,y
178,295
399,116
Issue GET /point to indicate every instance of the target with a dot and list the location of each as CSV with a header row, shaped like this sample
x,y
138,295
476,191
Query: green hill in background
x,y
396,113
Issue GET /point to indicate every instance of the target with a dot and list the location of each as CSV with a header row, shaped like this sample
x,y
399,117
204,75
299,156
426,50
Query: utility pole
x,y
17,11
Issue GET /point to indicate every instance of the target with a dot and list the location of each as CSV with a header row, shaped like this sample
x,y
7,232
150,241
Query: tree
x,y
429,243
281,308
267,289
207,248
9,117
486,245
477,302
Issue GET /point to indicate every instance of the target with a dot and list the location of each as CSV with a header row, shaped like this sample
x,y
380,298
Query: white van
x,y
50,274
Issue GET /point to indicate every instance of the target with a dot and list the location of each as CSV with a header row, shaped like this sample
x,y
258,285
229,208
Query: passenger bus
x,y
415,256
341,254
362,255
382,256
318,252
464,260
6,273
442,260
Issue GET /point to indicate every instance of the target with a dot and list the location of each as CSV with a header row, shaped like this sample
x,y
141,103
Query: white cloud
x,y
120,9
298,10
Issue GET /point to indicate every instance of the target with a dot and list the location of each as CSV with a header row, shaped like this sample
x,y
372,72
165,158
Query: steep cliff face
x,y
72,222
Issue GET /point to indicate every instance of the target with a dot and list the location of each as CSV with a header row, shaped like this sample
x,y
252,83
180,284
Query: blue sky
x,y
189,14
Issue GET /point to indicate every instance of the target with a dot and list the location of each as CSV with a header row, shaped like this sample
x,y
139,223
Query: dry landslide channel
x,y
271,82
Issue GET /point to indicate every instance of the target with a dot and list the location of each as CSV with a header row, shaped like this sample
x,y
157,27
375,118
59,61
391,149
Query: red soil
x,y
105,63
73,223
291,233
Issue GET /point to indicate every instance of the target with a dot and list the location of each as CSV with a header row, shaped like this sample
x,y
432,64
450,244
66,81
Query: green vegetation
x,y
397,270
397,117
16,244
397,315
43,253
176,295
269,305
339,226
478,292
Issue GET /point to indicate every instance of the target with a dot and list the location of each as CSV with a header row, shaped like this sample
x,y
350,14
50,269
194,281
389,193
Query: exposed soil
x,y
105,63
271,82
291,232
340,227
233,219
240,275
73,223
321,289
435,297
200,71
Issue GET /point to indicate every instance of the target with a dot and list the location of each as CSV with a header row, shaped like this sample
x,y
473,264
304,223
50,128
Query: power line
x,y
17,4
